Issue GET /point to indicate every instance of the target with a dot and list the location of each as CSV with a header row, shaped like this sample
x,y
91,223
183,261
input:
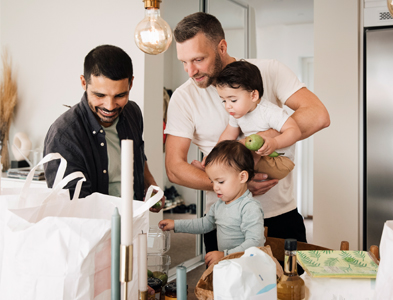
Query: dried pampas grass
x,y
8,97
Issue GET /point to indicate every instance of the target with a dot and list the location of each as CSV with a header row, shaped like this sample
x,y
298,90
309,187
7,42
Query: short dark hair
x,y
198,22
241,74
109,61
233,154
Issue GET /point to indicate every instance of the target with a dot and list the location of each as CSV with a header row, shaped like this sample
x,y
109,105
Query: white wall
x,y
286,43
336,149
48,41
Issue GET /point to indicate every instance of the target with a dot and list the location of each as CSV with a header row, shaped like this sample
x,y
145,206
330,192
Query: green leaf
x,y
331,261
360,254
315,254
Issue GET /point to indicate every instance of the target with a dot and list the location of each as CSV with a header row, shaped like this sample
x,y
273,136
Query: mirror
x,y
188,249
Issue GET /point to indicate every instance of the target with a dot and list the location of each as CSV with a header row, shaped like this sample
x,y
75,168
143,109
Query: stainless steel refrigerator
x,y
378,131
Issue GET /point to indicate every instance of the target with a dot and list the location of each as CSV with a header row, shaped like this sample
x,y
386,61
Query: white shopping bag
x,y
16,198
250,277
60,249
384,287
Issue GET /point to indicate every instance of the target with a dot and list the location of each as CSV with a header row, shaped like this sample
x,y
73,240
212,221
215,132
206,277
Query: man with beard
x,y
196,114
89,134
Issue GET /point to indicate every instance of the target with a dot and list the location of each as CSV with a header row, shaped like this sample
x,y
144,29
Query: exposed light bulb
x,y
153,35
390,7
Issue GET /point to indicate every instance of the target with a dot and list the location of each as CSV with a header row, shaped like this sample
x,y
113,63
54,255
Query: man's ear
x,y
222,47
243,175
132,81
83,82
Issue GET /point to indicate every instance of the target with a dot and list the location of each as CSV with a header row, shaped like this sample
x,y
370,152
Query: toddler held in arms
x,y
237,216
240,87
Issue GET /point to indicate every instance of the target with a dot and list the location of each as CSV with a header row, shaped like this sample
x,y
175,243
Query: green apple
x,y
254,142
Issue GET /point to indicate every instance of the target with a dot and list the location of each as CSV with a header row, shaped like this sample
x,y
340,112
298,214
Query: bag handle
x,y
59,182
47,158
67,180
151,200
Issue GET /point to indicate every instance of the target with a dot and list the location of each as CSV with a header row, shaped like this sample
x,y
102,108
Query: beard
x,y
210,77
101,117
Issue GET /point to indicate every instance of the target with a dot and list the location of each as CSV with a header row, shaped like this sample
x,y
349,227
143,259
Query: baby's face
x,y
238,102
228,183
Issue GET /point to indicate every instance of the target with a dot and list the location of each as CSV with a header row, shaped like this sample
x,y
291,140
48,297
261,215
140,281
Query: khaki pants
x,y
275,167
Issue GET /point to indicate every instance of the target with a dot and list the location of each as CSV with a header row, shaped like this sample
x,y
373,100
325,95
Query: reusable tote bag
x,y
60,249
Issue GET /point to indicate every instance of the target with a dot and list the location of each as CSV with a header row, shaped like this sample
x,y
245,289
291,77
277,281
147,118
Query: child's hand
x,y
268,147
198,164
166,225
213,256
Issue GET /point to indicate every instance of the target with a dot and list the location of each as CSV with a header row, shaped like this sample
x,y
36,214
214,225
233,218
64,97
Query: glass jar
x,y
156,285
158,241
170,291
290,286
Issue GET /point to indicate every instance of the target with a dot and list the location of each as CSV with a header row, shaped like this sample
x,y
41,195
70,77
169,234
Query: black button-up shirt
x,y
80,139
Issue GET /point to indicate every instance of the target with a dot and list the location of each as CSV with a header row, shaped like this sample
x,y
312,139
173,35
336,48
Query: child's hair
x,y
241,74
233,154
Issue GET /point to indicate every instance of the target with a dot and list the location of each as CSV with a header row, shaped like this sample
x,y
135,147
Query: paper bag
x,y
250,277
384,287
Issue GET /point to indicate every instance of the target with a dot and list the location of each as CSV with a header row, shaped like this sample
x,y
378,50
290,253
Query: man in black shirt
x,y
89,134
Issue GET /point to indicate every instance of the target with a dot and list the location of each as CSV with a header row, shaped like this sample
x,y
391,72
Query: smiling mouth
x,y
107,113
199,78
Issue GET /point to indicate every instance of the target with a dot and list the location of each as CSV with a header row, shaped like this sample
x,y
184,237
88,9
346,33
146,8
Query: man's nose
x,y
191,70
110,104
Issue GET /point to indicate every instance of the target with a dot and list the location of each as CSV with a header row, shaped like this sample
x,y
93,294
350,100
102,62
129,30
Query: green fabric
x,y
114,159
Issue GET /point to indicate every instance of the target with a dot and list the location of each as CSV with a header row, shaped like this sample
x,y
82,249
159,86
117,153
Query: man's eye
x,y
199,59
120,96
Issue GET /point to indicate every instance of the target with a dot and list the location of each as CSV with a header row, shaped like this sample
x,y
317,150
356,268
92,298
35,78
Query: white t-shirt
x,y
199,114
265,116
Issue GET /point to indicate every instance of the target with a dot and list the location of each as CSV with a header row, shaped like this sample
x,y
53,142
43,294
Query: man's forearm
x,y
148,177
184,174
310,113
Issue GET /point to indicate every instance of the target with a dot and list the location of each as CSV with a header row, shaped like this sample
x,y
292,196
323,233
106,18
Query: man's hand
x,y
259,185
213,256
156,209
166,225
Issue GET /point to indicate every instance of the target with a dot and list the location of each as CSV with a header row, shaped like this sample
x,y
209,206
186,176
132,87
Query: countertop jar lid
x,y
154,283
171,286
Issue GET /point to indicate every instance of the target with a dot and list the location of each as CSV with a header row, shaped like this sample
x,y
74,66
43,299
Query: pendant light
x,y
153,35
